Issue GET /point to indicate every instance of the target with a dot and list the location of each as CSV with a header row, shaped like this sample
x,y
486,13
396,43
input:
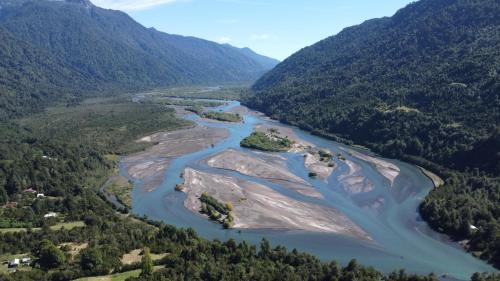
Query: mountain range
x,y
423,86
65,49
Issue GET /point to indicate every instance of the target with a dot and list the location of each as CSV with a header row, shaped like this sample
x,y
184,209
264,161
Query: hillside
x,y
107,51
422,86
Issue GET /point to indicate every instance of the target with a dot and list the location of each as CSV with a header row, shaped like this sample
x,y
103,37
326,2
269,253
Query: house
x,y
30,190
473,228
50,215
26,261
14,263
11,205
40,195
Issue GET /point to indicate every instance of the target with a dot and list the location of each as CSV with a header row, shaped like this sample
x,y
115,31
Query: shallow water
x,y
401,239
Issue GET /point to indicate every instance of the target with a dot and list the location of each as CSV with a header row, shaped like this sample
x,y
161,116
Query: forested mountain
x,y
423,86
88,49
263,60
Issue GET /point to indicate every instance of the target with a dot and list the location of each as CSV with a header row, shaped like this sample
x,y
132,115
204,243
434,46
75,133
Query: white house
x,y
40,195
50,215
14,263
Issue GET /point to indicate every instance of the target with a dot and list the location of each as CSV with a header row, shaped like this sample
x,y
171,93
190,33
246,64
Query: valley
x,y
128,152
364,206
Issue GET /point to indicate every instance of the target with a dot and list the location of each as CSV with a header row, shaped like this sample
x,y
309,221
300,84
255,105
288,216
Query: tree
x,y
91,260
3,196
146,263
51,256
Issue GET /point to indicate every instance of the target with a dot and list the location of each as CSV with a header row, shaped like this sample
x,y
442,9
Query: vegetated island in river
x,y
269,141
223,116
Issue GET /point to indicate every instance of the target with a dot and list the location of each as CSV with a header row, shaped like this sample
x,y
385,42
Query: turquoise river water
x,y
401,238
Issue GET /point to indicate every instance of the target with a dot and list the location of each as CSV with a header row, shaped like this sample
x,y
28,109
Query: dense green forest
x,y
422,86
63,50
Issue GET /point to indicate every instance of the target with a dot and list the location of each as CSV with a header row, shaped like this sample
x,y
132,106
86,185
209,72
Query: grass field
x,y
65,225
135,256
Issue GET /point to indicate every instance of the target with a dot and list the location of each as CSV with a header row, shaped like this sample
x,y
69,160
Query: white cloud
x,y
131,5
224,39
263,36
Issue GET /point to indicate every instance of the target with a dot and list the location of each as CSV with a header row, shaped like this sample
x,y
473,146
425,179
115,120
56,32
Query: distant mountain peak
x,y
85,3
16,3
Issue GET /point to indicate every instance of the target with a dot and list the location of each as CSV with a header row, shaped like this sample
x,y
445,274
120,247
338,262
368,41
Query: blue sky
x,y
276,28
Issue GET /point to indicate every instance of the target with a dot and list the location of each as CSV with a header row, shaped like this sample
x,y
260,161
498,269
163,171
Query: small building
x,y
40,195
11,205
50,215
26,261
473,228
30,190
14,263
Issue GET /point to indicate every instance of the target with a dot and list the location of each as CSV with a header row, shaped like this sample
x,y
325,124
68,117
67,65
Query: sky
x,y
275,28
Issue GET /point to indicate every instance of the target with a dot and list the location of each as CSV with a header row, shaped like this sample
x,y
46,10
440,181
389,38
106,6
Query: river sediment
x,y
256,206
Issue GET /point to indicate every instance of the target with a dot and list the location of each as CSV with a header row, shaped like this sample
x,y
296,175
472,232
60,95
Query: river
x,y
401,238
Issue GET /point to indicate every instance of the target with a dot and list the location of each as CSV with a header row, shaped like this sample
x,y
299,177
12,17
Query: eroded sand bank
x,y
436,180
149,165
274,171
259,207
387,169
354,181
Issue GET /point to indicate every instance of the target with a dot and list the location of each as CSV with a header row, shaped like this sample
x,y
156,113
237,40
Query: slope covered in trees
x,y
423,86
52,50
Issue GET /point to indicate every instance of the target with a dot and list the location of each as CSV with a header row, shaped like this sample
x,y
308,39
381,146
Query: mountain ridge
x,y
422,86
112,52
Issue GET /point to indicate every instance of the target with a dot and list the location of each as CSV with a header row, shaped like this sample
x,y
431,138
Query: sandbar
x,y
272,170
387,169
312,161
354,181
256,206
149,165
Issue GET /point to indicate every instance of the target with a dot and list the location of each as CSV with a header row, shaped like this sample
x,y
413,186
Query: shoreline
x,y
437,181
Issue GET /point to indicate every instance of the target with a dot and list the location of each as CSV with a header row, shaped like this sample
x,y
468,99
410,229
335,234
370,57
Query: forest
x,y
421,86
